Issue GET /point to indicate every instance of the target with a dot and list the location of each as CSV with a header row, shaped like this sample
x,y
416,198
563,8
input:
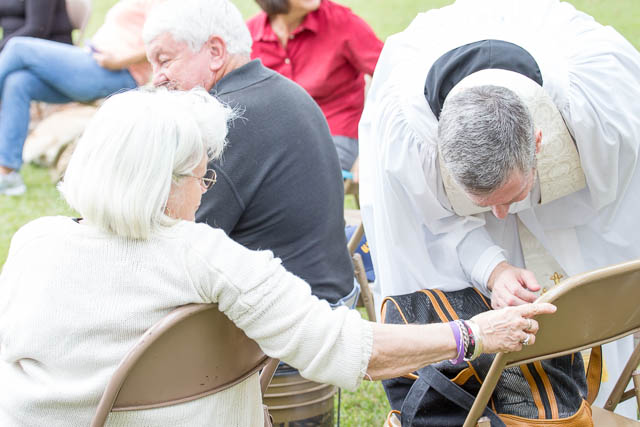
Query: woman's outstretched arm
x,y
400,349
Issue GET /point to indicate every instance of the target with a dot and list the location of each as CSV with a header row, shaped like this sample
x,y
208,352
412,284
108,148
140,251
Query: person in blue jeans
x,y
33,69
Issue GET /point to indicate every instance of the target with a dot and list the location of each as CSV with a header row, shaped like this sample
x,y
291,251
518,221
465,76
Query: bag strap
x,y
436,306
430,377
383,310
594,373
483,298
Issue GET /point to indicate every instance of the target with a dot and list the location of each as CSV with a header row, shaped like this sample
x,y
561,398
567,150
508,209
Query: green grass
x,y
41,199
623,15
368,406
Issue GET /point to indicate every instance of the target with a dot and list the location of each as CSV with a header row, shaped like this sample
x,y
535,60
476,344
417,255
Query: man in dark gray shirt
x,y
279,185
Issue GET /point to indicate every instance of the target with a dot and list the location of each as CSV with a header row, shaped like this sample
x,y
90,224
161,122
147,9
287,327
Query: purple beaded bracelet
x,y
459,345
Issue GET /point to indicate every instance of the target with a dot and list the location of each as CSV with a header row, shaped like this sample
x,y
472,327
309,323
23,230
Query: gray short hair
x,y
120,173
195,21
485,133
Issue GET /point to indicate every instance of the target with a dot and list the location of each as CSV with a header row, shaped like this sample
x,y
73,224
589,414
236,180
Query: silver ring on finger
x,y
529,324
526,340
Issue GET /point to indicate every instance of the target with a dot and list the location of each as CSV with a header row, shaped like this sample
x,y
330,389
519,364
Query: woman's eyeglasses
x,y
207,181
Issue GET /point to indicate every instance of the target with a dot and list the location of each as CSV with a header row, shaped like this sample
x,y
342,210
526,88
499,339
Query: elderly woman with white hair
x,y
76,294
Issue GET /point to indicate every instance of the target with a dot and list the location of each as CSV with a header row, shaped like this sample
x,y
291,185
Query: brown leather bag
x,y
543,393
582,418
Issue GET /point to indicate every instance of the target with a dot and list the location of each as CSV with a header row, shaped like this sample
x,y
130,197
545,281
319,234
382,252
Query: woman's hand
x,y
507,329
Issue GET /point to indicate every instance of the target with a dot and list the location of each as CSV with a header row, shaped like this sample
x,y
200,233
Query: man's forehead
x,y
509,192
165,43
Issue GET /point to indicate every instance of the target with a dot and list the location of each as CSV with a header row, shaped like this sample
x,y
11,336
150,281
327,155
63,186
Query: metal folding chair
x,y
182,358
594,308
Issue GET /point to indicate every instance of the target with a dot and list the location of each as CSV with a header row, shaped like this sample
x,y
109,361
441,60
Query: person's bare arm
x,y
114,62
400,349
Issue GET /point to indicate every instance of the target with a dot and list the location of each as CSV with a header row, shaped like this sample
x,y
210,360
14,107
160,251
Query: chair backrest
x,y
193,352
594,308
79,12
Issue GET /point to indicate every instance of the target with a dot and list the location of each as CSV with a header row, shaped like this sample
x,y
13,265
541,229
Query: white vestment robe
x,y
593,76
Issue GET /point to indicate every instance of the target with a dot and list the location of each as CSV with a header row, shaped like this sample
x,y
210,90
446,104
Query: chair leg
x,y
618,390
489,384
365,290
267,373
367,300
354,241
636,385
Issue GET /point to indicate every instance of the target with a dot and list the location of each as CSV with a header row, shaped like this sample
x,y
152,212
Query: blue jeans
x,y
349,300
34,69
347,149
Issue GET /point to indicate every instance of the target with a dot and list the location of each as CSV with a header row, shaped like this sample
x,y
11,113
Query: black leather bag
x,y
441,395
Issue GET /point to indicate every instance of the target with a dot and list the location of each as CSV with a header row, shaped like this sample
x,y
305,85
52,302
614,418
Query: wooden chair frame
x,y
366,296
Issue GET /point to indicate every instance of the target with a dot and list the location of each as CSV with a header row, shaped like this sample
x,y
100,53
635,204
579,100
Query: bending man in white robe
x,y
415,194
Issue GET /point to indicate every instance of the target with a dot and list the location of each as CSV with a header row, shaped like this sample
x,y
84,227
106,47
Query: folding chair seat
x,y
602,417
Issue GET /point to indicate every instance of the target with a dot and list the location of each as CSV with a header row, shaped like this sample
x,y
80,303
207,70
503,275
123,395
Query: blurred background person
x,y
42,70
45,19
326,49
279,184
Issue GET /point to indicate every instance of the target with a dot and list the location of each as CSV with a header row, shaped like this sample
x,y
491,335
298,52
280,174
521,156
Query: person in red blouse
x,y
326,49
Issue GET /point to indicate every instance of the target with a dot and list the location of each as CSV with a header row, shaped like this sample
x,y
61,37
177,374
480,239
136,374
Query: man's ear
x,y
538,135
218,54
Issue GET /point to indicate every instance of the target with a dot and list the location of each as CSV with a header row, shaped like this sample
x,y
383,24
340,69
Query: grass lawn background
x,y
368,406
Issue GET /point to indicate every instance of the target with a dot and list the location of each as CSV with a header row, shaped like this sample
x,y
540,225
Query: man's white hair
x,y
120,174
195,21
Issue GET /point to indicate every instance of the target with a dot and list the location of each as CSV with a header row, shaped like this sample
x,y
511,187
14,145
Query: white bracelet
x,y
476,334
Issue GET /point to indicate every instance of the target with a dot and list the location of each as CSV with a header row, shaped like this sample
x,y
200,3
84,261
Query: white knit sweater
x,y
74,300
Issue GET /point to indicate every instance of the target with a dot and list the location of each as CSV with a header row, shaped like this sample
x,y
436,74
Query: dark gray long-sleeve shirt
x,y
279,181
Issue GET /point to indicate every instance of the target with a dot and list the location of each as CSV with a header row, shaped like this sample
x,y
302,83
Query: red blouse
x,y
328,55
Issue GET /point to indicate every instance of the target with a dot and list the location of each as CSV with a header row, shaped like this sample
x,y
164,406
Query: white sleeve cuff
x,y
478,256
485,265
